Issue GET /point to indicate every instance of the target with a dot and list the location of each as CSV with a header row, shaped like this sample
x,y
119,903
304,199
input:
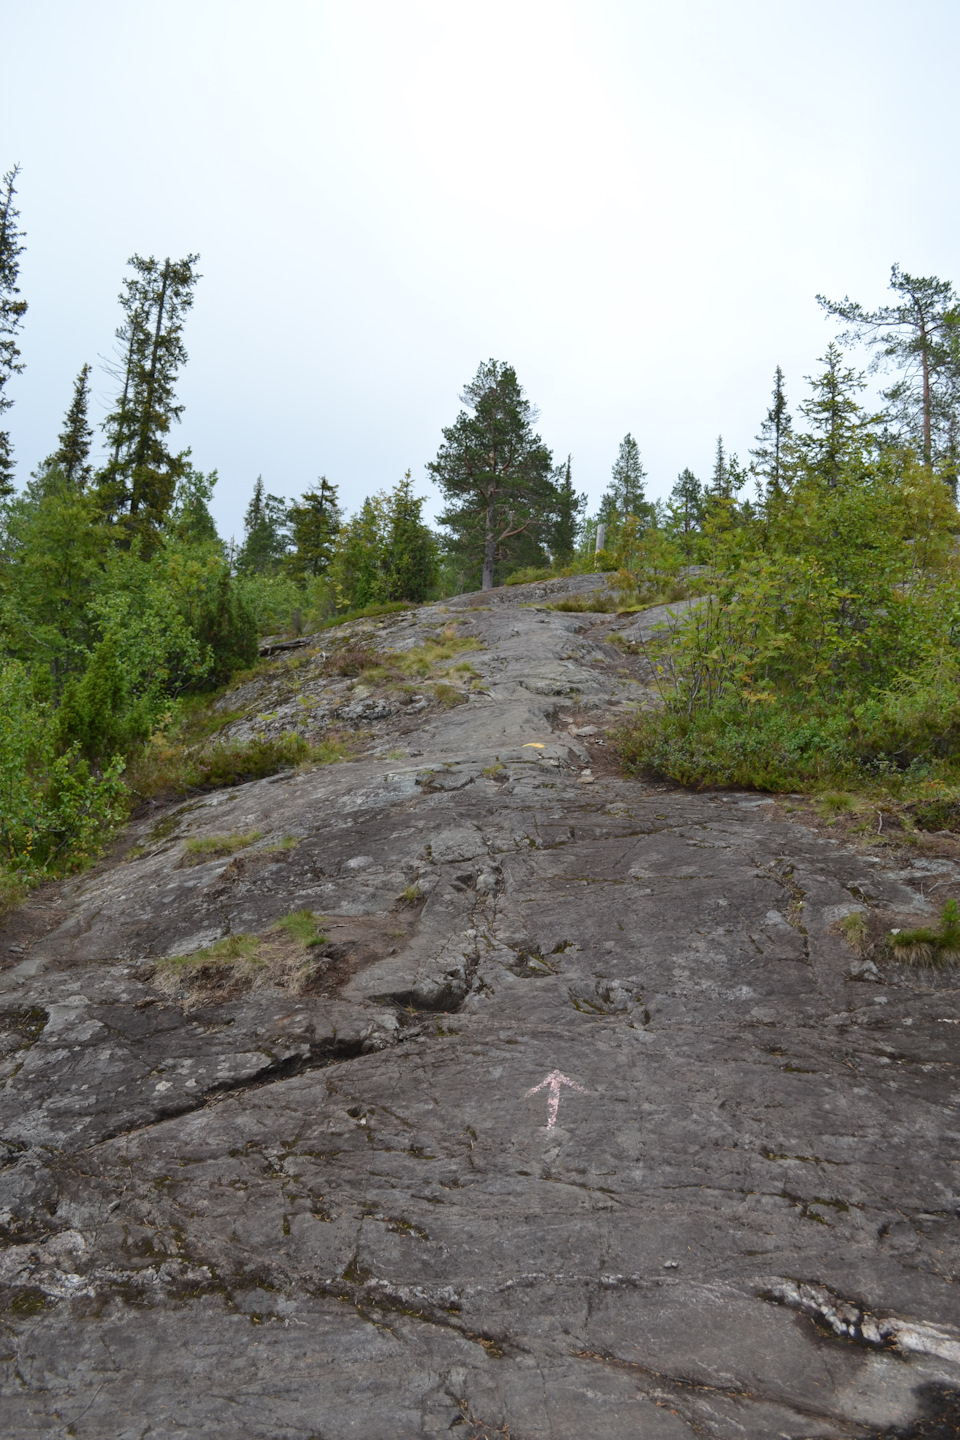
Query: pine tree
x,y
266,528
911,335
769,457
138,483
72,457
563,538
12,311
494,472
410,546
315,522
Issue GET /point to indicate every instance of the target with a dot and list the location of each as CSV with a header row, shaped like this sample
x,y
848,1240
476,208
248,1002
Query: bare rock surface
x,y
584,1120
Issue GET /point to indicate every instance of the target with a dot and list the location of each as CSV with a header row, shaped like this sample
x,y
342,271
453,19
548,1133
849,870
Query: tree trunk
x,y
489,549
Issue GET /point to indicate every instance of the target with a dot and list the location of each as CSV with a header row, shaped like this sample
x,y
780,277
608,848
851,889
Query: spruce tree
x,y
358,570
686,503
410,547
72,456
839,429
720,479
563,539
138,483
494,472
265,526
12,311
624,495
769,456
315,521
911,335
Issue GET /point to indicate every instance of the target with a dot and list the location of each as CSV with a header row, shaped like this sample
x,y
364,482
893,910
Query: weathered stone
x,y
330,1202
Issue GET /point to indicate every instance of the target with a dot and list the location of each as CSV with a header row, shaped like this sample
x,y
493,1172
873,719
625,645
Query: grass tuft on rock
x,y
209,847
301,925
930,945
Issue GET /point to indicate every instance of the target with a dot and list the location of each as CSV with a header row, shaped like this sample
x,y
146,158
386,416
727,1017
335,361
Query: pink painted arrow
x,y
555,1079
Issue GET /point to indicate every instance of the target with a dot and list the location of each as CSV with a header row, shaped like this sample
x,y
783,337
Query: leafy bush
x,y
54,808
826,651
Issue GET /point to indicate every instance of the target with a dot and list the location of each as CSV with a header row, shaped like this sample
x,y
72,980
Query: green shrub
x,y
54,808
825,653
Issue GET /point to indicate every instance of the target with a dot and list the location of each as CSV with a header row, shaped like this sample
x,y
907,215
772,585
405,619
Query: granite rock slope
x,y
581,1117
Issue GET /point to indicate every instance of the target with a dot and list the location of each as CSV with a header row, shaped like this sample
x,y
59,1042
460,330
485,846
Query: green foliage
x,y
137,485
358,569
384,553
12,311
411,548
624,498
495,475
569,508
266,530
825,652
54,809
72,456
56,549
315,521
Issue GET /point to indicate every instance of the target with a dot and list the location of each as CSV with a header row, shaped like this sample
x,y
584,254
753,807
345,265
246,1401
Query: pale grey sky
x,y
634,203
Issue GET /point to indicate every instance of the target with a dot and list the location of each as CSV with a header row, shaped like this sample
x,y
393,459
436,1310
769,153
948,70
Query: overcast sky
x,y
633,203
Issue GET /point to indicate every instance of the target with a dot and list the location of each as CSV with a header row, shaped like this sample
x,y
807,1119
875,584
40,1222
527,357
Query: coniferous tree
x,y
838,426
769,456
720,479
624,495
686,503
494,472
315,522
72,456
12,311
410,547
563,538
265,526
913,336
138,483
358,569
189,519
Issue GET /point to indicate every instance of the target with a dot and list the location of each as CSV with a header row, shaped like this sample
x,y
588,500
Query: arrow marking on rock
x,y
554,1080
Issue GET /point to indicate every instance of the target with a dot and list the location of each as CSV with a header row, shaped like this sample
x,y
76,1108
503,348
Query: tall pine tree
x,y
12,311
912,335
494,472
